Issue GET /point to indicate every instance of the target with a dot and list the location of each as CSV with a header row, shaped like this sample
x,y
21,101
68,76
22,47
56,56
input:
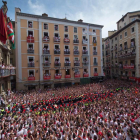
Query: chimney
x,y
45,15
80,20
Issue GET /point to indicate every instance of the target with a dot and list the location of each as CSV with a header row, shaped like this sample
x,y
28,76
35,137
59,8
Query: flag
x,y
3,31
10,32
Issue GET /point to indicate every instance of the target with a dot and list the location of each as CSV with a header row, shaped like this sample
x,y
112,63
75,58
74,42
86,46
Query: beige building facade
x,y
124,49
53,52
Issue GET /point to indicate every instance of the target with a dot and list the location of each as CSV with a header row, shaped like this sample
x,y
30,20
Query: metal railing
x,y
95,63
67,52
57,51
94,53
46,51
67,64
31,64
57,64
75,41
76,52
30,51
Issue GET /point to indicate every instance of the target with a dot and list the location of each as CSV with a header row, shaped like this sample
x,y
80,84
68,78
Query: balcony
x,y
85,63
31,51
132,45
95,74
94,53
57,64
47,77
77,75
31,64
125,47
4,72
76,52
76,41
76,63
66,40
31,78
30,39
47,64
67,52
57,51
95,64
84,52
46,39
56,39
128,66
67,64
85,75
85,41
12,71
57,76
46,51
67,76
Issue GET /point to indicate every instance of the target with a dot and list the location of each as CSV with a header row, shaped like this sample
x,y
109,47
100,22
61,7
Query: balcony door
x,y
68,72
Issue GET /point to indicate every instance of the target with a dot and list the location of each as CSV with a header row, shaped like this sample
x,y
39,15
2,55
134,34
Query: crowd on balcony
x,y
85,51
67,51
46,38
85,61
57,62
47,74
58,74
57,39
77,73
31,75
57,50
99,111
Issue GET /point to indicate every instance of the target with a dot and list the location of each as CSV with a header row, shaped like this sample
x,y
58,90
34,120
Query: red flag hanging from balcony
x,y
3,31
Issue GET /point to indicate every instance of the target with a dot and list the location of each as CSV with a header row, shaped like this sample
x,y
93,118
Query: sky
x,y
102,12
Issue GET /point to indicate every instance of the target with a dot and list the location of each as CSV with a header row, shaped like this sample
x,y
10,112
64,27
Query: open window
x,y
133,73
75,29
46,47
45,26
95,70
94,39
95,60
56,35
94,49
46,34
30,24
67,59
56,27
66,47
84,37
76,48
46,72
67,71
57,47
120,47
66,36
132,29
30,33
31,59
57,59
125,45
66,28
31,73
30,47
133,42
75,37
126,73
84,30
93,30
85,71
84,48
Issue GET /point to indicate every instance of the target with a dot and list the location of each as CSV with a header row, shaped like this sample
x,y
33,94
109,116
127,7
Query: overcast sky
x,y
103,12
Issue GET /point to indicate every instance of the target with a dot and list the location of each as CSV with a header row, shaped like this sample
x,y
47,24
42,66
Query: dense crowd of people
x,y
100,111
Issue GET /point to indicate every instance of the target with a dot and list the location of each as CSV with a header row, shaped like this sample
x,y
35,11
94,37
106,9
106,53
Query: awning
x,y
31,84
47,83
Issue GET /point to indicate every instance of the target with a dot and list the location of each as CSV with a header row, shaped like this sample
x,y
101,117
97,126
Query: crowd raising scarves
x,y
108,110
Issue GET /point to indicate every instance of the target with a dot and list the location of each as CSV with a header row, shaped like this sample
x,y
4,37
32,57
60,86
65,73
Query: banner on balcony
x,y
95,74
77,75
132,78
58,77
67,76
47,77
30,39
86,75
31,78
66,40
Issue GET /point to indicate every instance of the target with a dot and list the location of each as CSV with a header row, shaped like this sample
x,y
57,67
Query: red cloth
x,y
3,32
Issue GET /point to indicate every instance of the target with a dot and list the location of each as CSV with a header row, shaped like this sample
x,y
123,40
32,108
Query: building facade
x,y
53,52
124,48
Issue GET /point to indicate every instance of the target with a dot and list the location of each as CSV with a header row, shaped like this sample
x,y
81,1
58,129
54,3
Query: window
x,y
120,36
84,48
56,46
66,28
95,70
56,27
30,24
45,26
84,29
31,59
112,40
133,73
84,37
76,58
122,19
56,35
46,34
75,29
75,36
94,39
95,60
46,72
66,36
75,47
124,24
132,30
125,33
85,70
30,33
94,49
115,38
30,46
31,73
66,47
56,71
67,71
46,46
93,31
